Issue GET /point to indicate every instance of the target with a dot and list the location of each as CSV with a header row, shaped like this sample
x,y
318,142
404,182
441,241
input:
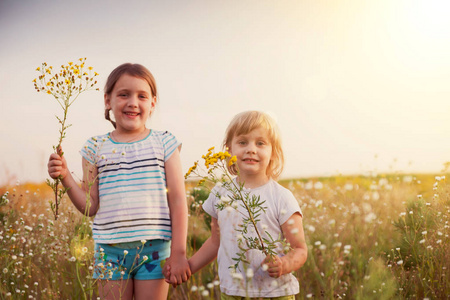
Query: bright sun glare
x,y
429,18
420,33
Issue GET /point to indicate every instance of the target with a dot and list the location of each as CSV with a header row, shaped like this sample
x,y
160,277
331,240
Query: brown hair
x,y
135,70
247,121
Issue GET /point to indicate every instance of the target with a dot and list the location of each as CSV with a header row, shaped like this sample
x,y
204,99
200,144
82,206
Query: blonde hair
x,y
247,121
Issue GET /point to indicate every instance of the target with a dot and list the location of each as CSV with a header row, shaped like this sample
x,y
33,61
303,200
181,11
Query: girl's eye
x,y
122,95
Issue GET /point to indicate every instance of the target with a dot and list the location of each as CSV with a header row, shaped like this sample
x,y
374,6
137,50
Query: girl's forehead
x,y
257,131
130,81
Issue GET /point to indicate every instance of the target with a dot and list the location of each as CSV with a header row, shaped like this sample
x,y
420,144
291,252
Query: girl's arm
x,y
296,257
205,255
208,251
176,195
57,166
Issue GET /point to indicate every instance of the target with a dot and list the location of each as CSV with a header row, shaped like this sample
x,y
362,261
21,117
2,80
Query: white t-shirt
x,y
280,206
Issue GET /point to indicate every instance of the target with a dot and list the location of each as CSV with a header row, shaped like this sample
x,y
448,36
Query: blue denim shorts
x,y
131,260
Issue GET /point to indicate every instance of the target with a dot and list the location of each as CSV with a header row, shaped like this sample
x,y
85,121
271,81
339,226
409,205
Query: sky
x,y
356,86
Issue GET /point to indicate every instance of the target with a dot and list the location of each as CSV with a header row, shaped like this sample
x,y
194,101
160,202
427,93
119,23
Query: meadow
x,y
369,237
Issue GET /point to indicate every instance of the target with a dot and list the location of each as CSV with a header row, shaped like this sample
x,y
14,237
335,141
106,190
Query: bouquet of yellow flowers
x,y
65,86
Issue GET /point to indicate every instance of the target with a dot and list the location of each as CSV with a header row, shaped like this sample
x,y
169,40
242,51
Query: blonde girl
x,y
136,192
254,138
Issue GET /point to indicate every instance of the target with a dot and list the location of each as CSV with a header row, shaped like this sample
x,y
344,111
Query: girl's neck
x,y
129,137
251,182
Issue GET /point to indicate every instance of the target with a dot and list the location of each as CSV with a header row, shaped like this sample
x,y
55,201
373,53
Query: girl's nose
x,y
251,148
133,101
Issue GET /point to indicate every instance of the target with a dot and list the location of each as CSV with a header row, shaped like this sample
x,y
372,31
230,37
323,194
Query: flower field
x,y
369,237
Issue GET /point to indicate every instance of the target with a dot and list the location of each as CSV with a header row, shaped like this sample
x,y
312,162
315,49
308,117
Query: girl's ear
x,y
107,101
228,148
153,105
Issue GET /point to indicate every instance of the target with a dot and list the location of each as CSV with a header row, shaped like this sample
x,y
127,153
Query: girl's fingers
x,y
54,163
54,156
174,280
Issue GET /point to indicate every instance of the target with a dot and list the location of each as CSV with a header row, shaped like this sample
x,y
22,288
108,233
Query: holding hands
x,y
176,270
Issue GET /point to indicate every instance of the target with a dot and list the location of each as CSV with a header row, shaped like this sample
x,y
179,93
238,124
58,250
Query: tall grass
x,y
381,237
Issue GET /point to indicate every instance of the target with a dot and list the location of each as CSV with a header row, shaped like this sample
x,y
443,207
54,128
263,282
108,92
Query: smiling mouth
x,y
250,160
131,114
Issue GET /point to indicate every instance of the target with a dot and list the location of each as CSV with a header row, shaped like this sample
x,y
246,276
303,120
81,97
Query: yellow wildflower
x,y
191,169
38,69
70,63
232,160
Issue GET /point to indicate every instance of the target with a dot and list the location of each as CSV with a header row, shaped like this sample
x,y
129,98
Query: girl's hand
x,y
275,266
57,166
166,273
176,270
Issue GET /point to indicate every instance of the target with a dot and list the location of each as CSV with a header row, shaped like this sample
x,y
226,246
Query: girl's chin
x,y
132,129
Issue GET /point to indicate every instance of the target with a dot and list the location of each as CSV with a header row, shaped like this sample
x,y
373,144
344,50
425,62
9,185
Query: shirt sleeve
x,y
89,150
209,206
289,206
170,144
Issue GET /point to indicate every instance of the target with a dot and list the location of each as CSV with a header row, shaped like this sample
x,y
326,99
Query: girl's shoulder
x,y
278,188
98,138
161,133
219,189
93,146
281,193
163,136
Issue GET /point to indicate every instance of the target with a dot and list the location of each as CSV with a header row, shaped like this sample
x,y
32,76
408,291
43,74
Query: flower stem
x,y
249,214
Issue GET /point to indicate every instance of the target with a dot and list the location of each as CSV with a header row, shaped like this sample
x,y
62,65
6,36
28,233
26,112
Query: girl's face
x,y
131,102
253,152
